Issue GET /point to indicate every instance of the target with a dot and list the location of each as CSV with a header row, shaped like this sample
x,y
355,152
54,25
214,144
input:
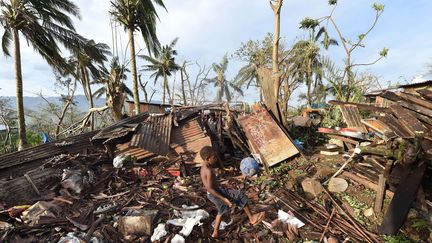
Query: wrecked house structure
x,y
138,180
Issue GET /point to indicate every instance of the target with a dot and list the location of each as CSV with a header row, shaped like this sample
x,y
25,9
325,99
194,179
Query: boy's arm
x,y
207,181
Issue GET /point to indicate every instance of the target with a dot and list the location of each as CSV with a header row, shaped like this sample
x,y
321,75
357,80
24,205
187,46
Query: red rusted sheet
x,y
267,138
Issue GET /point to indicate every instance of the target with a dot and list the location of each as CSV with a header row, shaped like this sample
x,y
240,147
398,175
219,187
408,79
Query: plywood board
x,y
267,138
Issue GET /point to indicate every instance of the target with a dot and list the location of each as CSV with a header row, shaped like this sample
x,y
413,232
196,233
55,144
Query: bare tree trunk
x,y
19,91
90,97
309,83
276,7
143,87
134,72
165,86
65,108
183,86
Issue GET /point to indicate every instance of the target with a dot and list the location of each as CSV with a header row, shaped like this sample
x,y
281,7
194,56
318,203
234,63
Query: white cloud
x,y
210,28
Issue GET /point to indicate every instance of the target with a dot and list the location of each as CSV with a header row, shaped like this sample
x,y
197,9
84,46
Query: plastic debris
x,y
289,218
188,220
121,160
178,239
32,215
75,181
158,232
71,237
222,225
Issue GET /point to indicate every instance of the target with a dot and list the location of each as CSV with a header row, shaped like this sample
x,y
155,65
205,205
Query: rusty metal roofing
x,y
120,128
13,164
267,138
154,134
188,139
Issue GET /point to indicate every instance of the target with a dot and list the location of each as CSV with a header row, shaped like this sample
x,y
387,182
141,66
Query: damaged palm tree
x,y
44,25
115,89
138,15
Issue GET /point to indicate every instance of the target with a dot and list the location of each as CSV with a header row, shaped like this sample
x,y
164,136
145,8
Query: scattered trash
x,y
289,218
178,239
222,225
158,232
137,222
32,215
122,160
73,237
75,181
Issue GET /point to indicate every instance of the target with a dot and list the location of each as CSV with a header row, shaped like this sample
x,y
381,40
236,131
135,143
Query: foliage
x,y
305,59
421,224
163,66
43,24
139,15
332,118
114,87
346,80
224,86
396,239
357,206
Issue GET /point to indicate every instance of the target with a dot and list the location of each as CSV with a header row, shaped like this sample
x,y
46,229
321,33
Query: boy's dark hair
x,y
206,152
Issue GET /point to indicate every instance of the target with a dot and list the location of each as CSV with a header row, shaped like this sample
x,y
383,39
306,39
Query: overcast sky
x,y
208,29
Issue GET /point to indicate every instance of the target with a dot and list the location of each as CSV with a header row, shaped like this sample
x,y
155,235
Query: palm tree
x,y
43,24
221,82
86,62
138,15
163,65
114,88
306,57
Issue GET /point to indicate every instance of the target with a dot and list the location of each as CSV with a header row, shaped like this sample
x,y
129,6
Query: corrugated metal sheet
x,y
267,138
154,134
108,132
18,163
188,139
352,117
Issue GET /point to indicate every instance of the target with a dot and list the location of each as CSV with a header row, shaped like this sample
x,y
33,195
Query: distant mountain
x,y
37,103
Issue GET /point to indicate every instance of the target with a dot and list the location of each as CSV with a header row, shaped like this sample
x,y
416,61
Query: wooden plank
x,y
273,145
415,99
380,127
404,196
352,117
417,108
395,126
408,120
342,138
360,106
380,193
426,93
390,96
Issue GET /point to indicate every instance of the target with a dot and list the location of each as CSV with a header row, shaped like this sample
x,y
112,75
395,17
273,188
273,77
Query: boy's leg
x,y
216,226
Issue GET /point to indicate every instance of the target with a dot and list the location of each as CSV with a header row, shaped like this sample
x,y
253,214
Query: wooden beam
x,y
427,94
408,120
415,99
404,196
360,106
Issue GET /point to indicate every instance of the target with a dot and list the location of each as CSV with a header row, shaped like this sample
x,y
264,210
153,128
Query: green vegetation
x,y
396,239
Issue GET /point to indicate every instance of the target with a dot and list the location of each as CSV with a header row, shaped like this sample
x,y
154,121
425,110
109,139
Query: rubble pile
x,y
138,180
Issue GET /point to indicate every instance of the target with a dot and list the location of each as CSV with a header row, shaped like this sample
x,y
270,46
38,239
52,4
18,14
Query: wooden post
x,y
380,194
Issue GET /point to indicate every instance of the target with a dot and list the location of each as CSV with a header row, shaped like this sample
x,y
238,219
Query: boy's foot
x,y
257,218
215,235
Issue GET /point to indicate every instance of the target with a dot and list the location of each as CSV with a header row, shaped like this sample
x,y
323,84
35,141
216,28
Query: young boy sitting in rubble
x,y
222,198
